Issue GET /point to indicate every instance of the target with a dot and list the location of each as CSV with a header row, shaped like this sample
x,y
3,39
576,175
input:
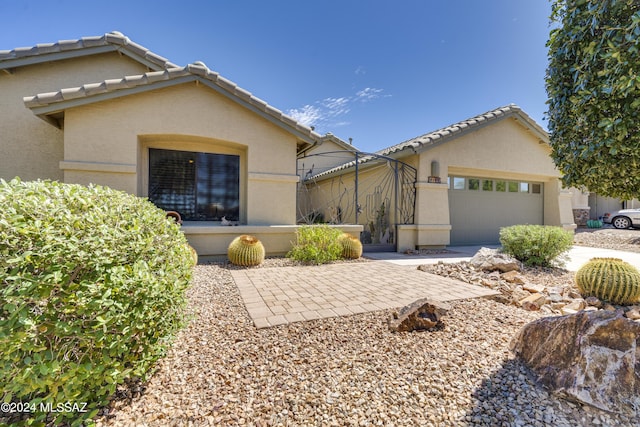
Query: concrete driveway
x,y
577,256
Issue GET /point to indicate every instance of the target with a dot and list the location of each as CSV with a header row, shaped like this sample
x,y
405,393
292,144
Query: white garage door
x,y
479,207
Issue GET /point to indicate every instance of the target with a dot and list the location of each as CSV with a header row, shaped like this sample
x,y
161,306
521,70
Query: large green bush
x,y
92,289
536,245
317,244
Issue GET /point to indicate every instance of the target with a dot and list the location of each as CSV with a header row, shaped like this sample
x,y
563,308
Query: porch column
x,y
432,222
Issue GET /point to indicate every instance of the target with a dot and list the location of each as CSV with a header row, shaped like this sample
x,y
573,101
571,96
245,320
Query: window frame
x,y
198,145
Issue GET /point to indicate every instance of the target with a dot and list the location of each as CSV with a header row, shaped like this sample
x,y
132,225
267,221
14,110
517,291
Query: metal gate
x,y
372,190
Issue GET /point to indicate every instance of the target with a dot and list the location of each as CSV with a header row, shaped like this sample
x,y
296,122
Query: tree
x,y
593,88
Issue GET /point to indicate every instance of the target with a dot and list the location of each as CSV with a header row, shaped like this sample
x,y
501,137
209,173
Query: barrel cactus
x,y
609,279
351,246
246,251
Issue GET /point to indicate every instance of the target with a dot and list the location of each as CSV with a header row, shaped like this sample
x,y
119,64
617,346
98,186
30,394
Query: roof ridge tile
x,y
113,38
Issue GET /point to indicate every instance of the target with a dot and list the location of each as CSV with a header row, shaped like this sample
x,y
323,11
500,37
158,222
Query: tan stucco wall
x,y
323,157
106,143
501,149
29,147
213,241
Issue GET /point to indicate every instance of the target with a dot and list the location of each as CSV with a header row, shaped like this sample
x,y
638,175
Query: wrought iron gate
x,y
372,190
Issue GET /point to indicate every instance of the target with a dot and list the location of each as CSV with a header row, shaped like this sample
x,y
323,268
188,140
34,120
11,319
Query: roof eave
x,y
46,112
9,64
61,106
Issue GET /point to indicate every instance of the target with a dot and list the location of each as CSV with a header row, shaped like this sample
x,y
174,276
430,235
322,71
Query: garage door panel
x,y
477,215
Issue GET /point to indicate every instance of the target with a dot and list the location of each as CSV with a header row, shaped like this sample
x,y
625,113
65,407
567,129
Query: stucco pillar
x,y
557,206
580,205
433,227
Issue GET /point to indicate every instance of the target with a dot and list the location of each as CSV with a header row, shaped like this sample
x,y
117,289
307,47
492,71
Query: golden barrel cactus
x,y
609,279
246,251
351,246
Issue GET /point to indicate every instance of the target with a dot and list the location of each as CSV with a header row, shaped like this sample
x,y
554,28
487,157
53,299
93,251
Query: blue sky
x,y
379,72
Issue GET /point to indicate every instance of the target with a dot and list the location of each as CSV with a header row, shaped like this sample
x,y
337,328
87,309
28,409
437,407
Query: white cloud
x,y
360,70
370,93
330,112
336,106
307,115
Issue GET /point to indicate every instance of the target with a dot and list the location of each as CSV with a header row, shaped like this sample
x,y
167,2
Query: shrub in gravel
x,y
317,244
92,290
535,245
609,279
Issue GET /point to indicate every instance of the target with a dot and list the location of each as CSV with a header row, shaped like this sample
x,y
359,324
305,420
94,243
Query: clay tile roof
x,y
442,135
114,41
464,126
44,104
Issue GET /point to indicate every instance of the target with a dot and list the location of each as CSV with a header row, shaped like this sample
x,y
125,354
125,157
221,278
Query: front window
x,y
200,186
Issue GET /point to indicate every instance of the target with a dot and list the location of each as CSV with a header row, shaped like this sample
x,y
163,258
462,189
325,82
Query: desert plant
x,y
536,245
93,288
351,246
246,251
609,279
317,244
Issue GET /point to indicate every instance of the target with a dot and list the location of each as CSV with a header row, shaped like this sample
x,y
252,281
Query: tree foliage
x,y
593,86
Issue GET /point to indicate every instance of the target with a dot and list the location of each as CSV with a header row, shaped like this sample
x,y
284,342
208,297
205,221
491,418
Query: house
x,y
107,111
472,178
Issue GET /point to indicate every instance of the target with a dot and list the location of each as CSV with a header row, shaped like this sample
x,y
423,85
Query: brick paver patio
x,y
280,295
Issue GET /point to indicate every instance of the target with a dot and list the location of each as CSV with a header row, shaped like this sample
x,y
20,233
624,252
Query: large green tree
x,y
593,86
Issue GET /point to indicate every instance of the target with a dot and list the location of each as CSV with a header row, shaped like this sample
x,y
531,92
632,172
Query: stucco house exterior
x,y
107,111
473,177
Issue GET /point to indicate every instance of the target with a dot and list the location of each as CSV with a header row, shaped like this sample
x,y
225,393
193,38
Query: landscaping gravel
x,y
609,238
347,371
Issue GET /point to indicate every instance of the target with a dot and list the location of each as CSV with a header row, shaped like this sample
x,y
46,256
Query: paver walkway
x,y
280,295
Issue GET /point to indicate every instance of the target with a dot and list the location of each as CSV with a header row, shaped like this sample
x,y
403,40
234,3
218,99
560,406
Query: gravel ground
x,y
609,238
350,371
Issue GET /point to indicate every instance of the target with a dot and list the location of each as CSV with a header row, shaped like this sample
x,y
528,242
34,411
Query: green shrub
x,y
317,244
535,245
92,289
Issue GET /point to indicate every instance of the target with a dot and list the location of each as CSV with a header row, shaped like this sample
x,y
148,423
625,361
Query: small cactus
x,y
609,279
246,251
194,254
351,246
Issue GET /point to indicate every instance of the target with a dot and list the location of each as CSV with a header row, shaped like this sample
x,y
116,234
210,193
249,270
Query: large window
x,y
200,186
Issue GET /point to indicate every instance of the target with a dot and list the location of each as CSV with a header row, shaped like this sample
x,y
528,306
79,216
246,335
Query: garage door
x,y
479,207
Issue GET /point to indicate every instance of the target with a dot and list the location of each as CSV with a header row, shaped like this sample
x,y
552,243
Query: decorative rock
x,y
533,288
491,260
593,302
513,277
555,298
633,313
533,302
590,357
576,305
420,315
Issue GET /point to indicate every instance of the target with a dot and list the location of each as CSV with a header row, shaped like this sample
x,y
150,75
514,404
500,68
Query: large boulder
x,y
487,259
591,357
422,314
